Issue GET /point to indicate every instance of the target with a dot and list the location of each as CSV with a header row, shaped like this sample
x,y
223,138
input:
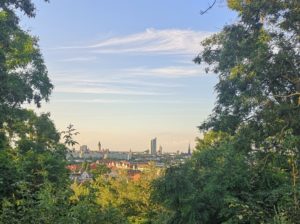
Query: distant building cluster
x,y
86,154
132,163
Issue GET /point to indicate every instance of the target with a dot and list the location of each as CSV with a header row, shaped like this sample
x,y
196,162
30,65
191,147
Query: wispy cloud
x,y
100,101
103,90
129,82
79,59
168,72
131,79
113,101
112,81
167,41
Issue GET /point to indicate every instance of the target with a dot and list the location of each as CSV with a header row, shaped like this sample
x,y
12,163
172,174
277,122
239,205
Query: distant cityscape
x,y
119,161
85,153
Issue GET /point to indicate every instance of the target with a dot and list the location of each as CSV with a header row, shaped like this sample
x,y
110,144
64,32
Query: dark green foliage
x,y
33,174
246,168
32,161
23,73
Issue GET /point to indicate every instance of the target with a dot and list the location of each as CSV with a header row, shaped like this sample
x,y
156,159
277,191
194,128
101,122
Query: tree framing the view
x,y
246,168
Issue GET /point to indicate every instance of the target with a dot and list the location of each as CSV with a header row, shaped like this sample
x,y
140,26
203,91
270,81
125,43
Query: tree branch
x,y
209,7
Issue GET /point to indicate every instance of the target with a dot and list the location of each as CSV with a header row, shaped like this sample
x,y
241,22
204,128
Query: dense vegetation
x,y
32,165
244,170
119,199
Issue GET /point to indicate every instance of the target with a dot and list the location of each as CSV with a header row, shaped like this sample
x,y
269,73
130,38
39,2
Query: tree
x,y
258,64
246,169
32,161
23,75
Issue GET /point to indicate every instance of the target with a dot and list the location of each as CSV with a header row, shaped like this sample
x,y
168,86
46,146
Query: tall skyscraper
x,y
153,146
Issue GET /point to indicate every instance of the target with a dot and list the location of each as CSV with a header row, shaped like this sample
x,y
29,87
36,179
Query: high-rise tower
x,y
153,146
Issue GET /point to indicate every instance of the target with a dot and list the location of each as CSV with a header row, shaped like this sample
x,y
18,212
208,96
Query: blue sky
x,y
123,70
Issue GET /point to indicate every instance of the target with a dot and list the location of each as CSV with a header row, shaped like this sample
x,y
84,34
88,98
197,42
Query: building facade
x,y
153,146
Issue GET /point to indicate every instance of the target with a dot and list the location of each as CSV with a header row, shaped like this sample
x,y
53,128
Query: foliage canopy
x,y
246,168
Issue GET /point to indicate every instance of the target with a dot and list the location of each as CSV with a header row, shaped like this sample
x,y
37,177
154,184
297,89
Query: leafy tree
x,y
23,75
246,169
32,161
257,60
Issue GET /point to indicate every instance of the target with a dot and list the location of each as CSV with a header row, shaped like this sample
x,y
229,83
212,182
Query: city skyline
x,y
152,149
123,72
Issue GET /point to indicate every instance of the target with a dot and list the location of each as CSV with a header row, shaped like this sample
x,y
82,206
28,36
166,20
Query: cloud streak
x,y
114,101
126,80
131,81
167,72
167,41
106,90
79,59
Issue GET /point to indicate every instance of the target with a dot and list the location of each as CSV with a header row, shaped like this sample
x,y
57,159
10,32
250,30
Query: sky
x,y
123,70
